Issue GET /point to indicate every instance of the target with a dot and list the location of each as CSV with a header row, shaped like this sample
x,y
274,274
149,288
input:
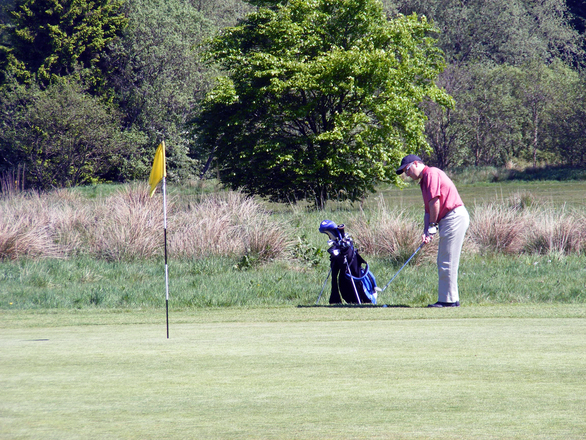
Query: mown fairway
x,y
306,373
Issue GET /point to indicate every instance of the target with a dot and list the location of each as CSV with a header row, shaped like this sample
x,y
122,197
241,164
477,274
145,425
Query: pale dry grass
x,y
497,228
390,234
129,225
516,225
555,231
521,224
227,224
126,226
26,227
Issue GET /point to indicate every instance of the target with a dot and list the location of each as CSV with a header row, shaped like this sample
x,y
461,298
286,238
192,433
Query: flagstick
x,y
166,267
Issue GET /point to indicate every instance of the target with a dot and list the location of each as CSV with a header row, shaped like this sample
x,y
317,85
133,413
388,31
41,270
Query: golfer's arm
x,y
434,209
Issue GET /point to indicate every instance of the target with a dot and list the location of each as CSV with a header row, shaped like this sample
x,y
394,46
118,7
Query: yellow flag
x,y
159,168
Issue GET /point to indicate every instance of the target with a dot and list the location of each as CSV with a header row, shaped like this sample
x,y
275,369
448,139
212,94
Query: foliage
x,y
514,69
55,38
322,97
223,13
511,73
157,78
64,136
501,31
305,251
578,18
508,113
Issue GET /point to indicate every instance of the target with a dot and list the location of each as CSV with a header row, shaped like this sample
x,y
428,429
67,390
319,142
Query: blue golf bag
x,y
352,281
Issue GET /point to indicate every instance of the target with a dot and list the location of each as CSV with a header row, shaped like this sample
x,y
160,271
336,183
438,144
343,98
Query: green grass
x,y
87,283
569,193
84,352
496,372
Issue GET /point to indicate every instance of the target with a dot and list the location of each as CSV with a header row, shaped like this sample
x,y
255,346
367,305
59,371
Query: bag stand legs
x,y
324,286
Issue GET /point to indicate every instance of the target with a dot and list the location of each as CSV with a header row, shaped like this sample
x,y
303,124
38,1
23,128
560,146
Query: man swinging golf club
x,y
444,213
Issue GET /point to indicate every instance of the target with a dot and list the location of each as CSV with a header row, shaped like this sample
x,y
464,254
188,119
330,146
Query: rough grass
x,y
87,283
127,226
67,249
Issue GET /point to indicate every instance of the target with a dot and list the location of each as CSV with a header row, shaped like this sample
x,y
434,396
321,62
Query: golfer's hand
x,y
426,238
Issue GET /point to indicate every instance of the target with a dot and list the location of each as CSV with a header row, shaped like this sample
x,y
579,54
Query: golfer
x,y
444,212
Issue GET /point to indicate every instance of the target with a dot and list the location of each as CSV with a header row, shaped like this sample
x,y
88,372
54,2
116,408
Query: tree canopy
x,y
53,38
321,99
64,136
156,76
315,98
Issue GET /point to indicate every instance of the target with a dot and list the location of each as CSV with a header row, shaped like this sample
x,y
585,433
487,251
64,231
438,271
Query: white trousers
x,y
452,229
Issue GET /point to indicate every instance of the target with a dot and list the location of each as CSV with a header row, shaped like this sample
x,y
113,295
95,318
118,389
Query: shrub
x,y
553,231
390,235
497,228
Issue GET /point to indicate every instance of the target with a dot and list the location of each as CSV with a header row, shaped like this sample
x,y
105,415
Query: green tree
x,y
567,125
62,135
501,31
157,77
48,39
506,113
578,10
501,53
543,92
222,13
443,128
322,98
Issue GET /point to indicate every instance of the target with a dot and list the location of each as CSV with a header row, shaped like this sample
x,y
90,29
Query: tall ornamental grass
x,y
227,224
555,231
389,234
128,225
522,225
497,228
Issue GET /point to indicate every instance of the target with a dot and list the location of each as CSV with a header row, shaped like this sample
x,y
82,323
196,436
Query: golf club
x,y
348,272
417,250
324,285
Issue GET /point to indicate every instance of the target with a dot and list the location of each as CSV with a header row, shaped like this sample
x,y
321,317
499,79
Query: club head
x,y
330,228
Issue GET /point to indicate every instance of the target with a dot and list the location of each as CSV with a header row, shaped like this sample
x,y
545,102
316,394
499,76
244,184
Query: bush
x,y
62,136
129,225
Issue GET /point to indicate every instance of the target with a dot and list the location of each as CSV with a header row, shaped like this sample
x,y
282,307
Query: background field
x,y
306,373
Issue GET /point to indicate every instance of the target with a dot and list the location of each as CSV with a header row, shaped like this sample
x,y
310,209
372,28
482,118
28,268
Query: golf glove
x,y
432,229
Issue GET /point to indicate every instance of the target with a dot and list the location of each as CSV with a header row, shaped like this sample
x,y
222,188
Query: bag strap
x,y
349,275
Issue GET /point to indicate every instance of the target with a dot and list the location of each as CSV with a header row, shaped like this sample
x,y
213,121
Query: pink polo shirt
x,y
434,182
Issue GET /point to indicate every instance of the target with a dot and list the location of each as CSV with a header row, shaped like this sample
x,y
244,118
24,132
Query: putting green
x,y
517,372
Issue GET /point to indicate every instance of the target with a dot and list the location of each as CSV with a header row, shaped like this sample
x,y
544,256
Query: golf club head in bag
x,y
329,228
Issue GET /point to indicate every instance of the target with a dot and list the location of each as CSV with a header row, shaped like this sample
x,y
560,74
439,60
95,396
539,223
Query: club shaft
x,y
406,262
324,286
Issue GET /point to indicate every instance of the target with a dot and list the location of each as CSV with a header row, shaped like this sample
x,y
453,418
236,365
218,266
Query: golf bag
x,y
351,282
